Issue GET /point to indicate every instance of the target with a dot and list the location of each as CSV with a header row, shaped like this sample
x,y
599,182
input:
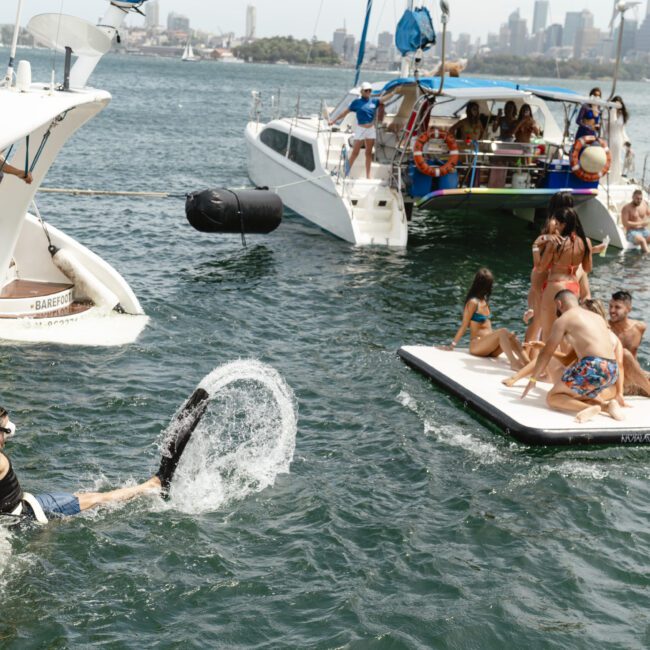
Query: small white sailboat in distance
x,y
188,52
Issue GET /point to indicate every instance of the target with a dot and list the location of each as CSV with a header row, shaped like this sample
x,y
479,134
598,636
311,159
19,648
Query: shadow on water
x,y
244,266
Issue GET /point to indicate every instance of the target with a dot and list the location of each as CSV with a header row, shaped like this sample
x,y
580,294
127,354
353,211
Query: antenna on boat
x,y
620,7
14,42
444,9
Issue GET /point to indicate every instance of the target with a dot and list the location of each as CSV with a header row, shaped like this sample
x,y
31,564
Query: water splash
x,y
245,439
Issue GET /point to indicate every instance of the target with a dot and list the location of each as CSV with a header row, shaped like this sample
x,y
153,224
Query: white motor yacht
x,y
52,288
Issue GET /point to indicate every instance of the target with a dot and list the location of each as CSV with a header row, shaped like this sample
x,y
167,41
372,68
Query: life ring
x,y
577,169
435,170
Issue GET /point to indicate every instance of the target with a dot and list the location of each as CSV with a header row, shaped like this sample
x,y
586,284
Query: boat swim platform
x,y
489,198
477,381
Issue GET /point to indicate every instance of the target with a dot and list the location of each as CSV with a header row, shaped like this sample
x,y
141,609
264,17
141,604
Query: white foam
x,y
245,439
452,435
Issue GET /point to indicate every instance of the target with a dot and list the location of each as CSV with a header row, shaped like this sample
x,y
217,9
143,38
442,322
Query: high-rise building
x,y
574,22
177,23
553,36
152,14
463,45
628,43
349,49
338,40
518,34
540,16
385,47
251,22
643,35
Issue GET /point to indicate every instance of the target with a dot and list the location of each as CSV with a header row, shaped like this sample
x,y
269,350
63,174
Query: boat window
x,y
275,139
302,153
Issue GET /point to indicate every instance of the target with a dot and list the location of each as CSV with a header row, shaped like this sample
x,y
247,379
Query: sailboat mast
x,y
362,43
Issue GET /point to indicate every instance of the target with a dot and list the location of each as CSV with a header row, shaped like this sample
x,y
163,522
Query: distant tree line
x,y
287,48
518,66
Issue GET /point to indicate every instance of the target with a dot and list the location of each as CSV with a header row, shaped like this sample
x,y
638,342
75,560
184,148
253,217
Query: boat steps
x,y
34,299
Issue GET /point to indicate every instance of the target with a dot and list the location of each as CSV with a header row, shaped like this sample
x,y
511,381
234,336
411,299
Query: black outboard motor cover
x,y
256,211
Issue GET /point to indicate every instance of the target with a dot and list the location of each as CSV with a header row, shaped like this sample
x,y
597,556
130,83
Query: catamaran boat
x,y
417,164
52,288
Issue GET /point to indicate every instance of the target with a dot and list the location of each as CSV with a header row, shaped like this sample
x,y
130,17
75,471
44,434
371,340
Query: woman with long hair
x,y
526,125
617,138
549,236
562,262
484,341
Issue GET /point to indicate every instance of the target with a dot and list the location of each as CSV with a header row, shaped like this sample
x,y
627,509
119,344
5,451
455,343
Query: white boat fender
x,y
86,284
34,506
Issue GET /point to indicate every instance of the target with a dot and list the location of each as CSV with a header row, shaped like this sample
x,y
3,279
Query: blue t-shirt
x,y
365,109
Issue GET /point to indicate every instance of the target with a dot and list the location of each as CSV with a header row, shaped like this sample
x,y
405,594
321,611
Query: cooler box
x,y
559,176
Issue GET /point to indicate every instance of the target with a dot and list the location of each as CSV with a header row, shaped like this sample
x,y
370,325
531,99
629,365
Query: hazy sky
x,y
299,17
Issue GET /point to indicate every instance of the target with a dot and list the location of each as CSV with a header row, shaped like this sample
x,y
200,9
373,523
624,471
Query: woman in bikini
x,y
484,341
562,262
549,236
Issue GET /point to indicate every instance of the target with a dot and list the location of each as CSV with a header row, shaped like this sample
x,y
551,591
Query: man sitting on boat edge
x,y
635,217
595,381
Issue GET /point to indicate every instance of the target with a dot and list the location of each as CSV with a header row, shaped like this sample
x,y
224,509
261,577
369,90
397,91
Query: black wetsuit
x,y
10,492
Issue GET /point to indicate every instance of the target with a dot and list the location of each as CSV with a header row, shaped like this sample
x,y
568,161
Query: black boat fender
x,y
255,211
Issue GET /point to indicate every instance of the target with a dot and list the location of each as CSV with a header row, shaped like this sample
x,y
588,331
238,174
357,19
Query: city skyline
x,y
299,17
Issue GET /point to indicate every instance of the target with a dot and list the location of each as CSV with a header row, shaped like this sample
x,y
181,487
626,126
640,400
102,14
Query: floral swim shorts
x,y
591,375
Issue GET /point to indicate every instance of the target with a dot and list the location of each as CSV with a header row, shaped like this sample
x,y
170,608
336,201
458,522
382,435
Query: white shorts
x,y
365,132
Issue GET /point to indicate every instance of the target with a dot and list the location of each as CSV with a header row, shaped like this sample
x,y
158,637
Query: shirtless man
x,y
594,381
630,332
635,217
41,507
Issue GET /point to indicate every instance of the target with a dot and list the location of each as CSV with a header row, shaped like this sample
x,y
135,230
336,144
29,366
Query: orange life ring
x,y
435,170
579,145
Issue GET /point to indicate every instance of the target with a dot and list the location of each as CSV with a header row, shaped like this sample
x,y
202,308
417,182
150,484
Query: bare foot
x,y
587,414
509,382
615,411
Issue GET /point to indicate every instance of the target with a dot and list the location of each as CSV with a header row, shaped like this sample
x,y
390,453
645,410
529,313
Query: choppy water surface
x,y
402,520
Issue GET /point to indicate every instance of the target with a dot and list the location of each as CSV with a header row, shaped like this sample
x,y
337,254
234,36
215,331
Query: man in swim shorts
x,y
41,507
635,217
595,381
630,332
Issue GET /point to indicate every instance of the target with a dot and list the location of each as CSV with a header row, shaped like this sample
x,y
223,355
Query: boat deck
x,y
32,289
477,381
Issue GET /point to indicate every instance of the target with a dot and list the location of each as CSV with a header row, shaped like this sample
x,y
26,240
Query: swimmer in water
x,y
41,507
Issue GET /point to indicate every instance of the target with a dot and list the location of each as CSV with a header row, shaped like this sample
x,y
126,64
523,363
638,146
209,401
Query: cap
x,y
366,86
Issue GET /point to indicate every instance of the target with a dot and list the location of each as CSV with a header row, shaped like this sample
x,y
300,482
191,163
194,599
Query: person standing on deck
x,y
364,133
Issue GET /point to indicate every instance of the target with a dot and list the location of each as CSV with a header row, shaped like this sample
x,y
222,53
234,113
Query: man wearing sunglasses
x,y
16,503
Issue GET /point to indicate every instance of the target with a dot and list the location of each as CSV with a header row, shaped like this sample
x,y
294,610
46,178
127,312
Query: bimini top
x,y
478,88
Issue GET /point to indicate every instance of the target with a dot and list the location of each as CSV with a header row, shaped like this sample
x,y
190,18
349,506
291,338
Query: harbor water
x,y
403,520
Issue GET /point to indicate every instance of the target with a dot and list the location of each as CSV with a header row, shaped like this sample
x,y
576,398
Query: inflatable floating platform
x,y
477,381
